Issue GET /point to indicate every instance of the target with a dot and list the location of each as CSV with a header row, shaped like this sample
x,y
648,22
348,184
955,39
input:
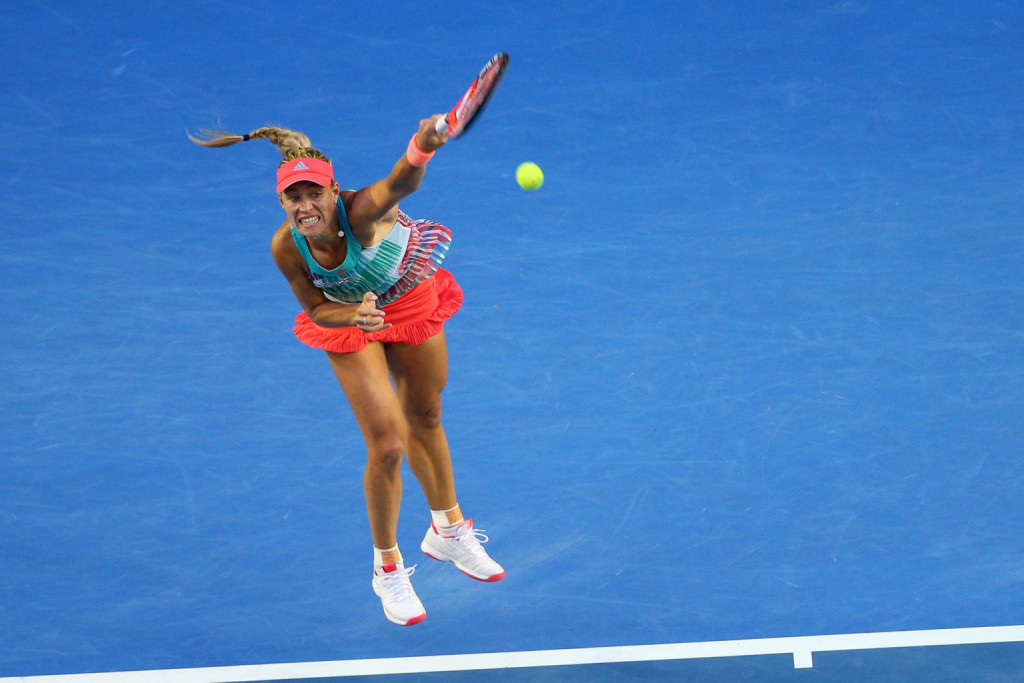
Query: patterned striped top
x,y
408,255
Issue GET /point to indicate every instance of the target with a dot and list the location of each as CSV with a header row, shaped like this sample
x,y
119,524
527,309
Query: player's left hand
x,y
427,137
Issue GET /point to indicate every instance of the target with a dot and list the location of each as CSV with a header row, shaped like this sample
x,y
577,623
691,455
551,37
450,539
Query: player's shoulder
x,y
282,244
282,236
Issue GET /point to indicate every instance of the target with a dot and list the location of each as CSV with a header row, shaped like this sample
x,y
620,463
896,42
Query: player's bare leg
x,y
420,373
364,379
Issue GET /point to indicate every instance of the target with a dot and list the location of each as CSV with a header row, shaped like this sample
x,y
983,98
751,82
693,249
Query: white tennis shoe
x,y
401,606
461,546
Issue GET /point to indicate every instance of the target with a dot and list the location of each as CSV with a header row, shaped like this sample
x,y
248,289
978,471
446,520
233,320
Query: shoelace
x,y
471,539
398,583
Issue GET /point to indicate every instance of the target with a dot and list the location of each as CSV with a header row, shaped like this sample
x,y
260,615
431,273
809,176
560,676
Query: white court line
x,y
801,647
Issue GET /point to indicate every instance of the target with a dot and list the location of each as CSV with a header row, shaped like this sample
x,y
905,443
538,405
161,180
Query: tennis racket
x,y
462,114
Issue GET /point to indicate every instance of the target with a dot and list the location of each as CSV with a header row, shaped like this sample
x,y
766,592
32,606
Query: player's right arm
x,y
318,307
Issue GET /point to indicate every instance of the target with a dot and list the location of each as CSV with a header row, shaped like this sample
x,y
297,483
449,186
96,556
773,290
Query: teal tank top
x,y
408,255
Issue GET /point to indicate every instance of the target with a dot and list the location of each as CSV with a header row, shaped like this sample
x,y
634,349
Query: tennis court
x,y
737,394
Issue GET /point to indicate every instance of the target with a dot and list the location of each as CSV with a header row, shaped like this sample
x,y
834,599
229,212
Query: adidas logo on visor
x,y
301,166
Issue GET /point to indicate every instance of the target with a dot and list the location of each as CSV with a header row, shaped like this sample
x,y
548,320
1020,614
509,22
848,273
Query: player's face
x,y
311,207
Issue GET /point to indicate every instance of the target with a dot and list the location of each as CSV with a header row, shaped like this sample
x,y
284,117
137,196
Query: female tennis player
x,y
375,299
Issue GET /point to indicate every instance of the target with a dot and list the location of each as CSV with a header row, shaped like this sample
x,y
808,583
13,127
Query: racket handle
x,y
441,126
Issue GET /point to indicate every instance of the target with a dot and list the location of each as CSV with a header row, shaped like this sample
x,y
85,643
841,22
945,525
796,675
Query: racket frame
x,y
459,118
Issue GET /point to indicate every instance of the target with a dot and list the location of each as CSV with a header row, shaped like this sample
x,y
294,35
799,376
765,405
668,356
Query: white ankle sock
x,y
440,518
378,560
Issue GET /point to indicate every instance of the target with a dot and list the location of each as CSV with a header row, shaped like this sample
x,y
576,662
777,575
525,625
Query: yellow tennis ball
x,y
529,176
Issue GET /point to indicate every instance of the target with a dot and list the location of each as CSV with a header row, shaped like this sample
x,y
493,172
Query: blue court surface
x,y
737,394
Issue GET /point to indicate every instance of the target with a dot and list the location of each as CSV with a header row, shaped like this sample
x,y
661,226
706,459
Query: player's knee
x,y
386,454
425,416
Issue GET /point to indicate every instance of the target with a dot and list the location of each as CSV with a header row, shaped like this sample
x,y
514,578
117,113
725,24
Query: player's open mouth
x,y
310,220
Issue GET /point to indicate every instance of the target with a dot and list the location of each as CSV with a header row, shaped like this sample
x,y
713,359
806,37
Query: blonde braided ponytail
x,y
292,144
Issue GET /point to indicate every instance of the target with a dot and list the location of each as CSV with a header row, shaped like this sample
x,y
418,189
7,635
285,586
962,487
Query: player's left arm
x,y
373,204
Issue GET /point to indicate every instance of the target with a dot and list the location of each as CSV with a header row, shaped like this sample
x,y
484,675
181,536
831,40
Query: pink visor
x,y
313,170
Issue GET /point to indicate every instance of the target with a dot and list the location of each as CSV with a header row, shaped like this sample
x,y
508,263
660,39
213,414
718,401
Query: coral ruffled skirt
x,y
415,317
